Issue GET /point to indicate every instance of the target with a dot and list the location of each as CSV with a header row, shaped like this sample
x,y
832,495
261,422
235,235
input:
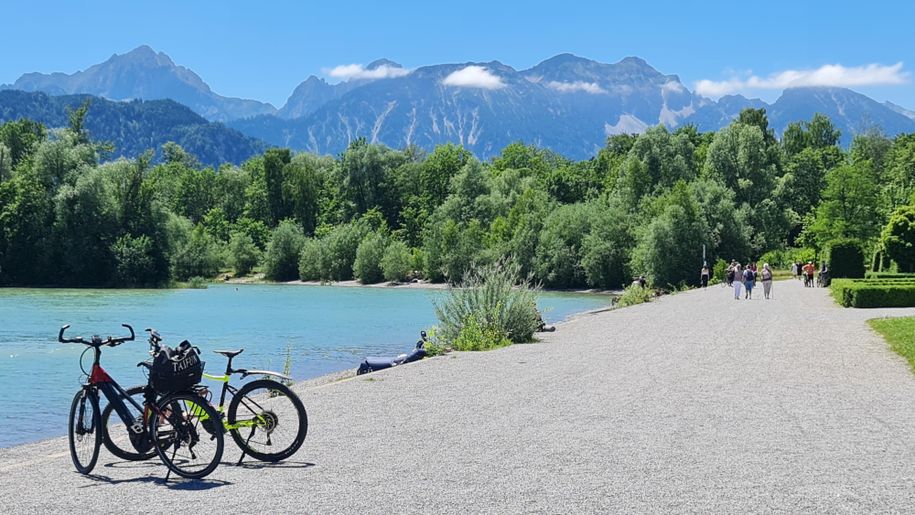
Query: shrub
x,y
719,269
888,275
197,283
367,265
476,335
312,265
243,253
632,295
846,259
196,256
340,245
281,262
898,238
135,265
786,257
494,302
558,258
873,294
397,261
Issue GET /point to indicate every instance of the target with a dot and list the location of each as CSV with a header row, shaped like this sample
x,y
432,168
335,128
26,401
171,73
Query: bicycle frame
x,y
227,388
100,380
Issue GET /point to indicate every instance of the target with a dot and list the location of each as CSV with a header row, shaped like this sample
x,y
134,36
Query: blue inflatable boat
x,y
374,363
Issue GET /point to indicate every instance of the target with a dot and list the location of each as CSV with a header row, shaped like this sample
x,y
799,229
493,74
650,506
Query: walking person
x,y
809,269
729,273
738,277
794,270
749,279
703,275
767,281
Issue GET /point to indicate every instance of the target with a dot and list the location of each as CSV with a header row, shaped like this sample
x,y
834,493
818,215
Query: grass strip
x,y
900,334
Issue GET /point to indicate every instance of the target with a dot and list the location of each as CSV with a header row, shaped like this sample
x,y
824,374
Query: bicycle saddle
x,y
229,353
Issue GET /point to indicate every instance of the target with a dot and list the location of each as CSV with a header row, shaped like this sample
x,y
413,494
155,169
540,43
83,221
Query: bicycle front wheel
x,y
267,420
85,438
118,439
187,434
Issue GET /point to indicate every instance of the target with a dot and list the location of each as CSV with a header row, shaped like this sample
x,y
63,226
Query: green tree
x,y
281,261
367,265
275,162
243,253
847,210
134,262
559,251
898,238
669,247
396,263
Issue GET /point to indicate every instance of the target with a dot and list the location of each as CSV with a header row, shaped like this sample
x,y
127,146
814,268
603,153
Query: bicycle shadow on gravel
x,y
174,483
260,465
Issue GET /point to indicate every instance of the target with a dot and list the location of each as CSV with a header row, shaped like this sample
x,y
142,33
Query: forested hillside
x,y
136,126
643,204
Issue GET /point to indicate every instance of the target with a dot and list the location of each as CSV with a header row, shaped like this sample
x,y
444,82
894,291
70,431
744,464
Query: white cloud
x,y
826,75
474,77
357,71
568,87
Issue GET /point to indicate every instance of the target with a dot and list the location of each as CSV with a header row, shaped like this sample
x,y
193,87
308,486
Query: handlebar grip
x,y
132,335
60,335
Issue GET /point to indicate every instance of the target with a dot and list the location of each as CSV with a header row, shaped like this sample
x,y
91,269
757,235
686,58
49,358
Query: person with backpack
x,y
749,279
767,281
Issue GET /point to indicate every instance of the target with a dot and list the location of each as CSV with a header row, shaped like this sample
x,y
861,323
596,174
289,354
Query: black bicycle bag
x,y
176,370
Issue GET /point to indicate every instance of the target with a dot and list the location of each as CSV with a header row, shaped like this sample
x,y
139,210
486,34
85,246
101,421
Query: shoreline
x,y
424,285
302,385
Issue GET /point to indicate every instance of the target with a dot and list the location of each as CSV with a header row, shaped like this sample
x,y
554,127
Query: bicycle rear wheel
x,y
118,439
187,434
267,420
84,435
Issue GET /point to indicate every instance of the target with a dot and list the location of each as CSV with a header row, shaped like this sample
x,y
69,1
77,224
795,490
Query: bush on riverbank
x,y
396,263
632,295
492,307
243,253
369,253
282,260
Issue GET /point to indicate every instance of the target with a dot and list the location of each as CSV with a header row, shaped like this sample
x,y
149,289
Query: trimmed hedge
x,y
888,275
846,259
873,294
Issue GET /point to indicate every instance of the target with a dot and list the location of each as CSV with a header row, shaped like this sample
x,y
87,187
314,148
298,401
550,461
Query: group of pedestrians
x,y
808,273
745,278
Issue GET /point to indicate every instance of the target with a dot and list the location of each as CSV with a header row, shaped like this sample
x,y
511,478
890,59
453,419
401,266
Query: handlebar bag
x,y
176,370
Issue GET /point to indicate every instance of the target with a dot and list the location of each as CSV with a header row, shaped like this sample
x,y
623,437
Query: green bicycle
x,y
266,418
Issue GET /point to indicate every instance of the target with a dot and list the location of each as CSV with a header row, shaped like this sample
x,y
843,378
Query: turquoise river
x,y
325,328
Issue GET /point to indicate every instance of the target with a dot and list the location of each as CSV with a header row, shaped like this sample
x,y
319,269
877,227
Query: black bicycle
x,y
174,427
266,418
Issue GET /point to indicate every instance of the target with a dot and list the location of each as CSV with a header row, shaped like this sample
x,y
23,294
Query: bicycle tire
x,y
86,437
186,420
128,452
273,421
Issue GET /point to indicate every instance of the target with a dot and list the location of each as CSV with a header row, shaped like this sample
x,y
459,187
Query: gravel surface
x,y
693,403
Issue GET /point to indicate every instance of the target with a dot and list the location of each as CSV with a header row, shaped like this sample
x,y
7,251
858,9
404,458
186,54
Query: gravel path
x,y
693,403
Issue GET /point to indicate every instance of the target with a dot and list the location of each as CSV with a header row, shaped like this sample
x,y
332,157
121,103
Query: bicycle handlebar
x,y
95,340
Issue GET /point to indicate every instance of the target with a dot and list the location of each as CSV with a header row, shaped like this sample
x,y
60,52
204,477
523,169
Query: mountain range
x,y
136,126
566,103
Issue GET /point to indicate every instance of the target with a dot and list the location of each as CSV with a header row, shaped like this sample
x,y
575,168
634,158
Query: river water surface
x,y
326,328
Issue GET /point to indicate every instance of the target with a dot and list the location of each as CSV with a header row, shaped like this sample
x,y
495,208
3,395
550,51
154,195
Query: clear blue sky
x,y
263,49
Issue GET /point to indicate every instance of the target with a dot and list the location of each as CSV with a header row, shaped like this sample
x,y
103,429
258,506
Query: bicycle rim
x,y
187,434
83,433
268,420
